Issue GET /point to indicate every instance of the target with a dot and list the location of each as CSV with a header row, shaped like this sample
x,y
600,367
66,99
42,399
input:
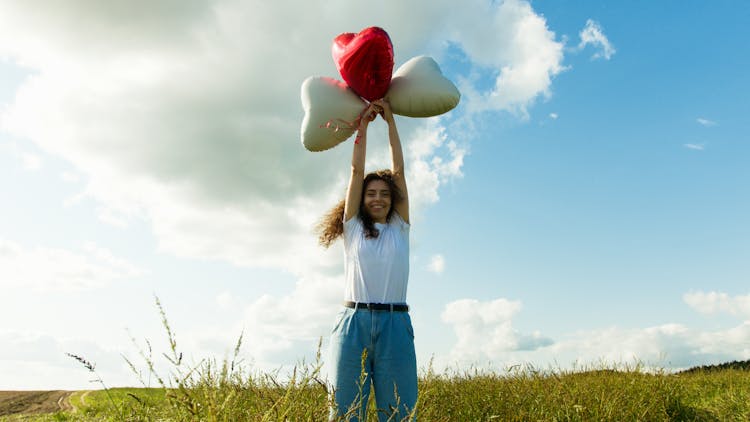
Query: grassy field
x,y
602,395
226,391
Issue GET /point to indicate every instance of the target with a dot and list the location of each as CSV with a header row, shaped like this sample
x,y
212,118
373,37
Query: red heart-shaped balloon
x,y
365,61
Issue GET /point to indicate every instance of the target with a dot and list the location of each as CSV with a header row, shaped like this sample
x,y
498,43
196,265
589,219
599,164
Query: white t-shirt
x,y
376,270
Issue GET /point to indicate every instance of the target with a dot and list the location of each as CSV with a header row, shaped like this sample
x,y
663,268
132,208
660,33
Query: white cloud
x,y
31,162
70,177
485,329
697,147
54,269
593,35
705,122
485,333
669,345
29,360
226,300
433,161
279,329
513,45
437,264
717,302
553,116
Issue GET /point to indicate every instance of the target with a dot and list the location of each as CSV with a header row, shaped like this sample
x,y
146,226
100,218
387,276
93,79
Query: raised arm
x,y
357,177
397,160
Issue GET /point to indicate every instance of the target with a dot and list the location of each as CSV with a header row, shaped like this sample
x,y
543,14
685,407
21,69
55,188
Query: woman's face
x,y
377,201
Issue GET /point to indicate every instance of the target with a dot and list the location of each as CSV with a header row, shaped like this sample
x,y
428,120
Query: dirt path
x,y
27,402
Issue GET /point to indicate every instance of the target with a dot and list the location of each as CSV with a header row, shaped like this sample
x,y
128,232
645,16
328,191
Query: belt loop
x,y
391,308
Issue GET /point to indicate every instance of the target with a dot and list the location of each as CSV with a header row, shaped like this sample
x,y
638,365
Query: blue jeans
x,y
390,364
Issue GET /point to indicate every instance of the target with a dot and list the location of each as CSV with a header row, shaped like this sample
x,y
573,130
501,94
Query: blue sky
x,y
587,201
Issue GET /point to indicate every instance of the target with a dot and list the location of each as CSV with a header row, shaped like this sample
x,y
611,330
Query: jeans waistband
x,y
393,307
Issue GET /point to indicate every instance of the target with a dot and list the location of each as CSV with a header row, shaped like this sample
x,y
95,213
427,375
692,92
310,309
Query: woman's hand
x,y
368,115
385,110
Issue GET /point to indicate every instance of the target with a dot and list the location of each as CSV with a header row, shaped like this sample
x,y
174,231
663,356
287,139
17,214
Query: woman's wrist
x,y
361,133
363,123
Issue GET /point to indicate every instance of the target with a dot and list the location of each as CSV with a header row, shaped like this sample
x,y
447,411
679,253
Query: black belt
x,y
393,307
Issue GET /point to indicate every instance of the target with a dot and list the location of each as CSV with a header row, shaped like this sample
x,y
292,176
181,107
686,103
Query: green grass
x,y
227,391
601,395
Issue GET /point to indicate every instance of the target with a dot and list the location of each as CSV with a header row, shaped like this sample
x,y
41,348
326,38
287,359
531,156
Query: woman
x,y
373,336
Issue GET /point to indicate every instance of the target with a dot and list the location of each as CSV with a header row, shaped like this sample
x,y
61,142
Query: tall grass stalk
x,y
92,369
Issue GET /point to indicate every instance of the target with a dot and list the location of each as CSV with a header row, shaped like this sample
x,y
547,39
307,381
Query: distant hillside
x,y
735,364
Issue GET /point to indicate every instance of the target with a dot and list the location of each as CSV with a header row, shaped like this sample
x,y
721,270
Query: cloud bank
x,y
710,303
485,333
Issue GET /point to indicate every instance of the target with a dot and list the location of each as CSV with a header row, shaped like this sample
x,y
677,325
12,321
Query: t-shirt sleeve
x,y
350,228
399,222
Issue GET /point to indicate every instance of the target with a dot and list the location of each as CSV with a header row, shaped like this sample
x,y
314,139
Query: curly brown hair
x,y
331,226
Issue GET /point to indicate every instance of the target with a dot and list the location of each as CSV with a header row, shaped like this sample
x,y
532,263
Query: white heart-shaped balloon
x,y
331,112
419,89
